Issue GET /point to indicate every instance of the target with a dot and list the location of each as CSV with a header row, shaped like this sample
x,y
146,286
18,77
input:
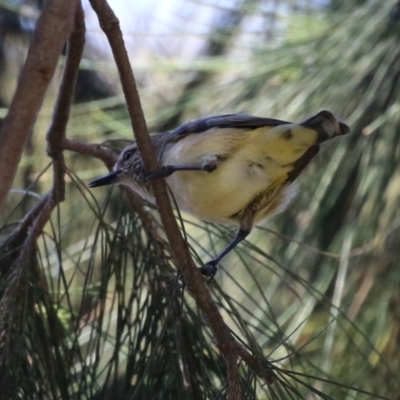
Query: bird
x,y
235,169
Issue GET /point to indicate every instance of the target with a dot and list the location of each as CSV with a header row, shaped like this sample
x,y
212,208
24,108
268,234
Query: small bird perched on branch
x,y
234,168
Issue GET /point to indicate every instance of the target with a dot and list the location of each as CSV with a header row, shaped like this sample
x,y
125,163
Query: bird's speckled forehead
x,y
121,161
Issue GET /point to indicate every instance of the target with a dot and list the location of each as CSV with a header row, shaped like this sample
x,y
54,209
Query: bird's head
x,y
123,170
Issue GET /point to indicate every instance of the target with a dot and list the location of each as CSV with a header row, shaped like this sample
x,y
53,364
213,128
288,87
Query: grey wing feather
x,y
243,121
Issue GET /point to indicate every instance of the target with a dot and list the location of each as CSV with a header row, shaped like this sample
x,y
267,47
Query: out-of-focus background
x,y
316,289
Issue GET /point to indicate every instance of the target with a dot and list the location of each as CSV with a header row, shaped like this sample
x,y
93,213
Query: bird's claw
x,y
162,172
209,270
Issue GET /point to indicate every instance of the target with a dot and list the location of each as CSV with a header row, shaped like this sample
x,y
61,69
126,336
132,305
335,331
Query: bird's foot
x,y
209,270
162,172
167,170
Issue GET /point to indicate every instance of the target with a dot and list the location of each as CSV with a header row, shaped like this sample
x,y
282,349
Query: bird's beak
x,y
105,180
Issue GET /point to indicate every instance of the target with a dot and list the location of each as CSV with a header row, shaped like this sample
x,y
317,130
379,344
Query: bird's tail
x,y
295,144
326,125
286,143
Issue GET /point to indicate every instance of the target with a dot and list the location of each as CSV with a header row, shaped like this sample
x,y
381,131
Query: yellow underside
x,y
256,161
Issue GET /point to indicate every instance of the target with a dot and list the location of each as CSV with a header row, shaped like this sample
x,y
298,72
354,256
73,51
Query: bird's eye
x,y
127,155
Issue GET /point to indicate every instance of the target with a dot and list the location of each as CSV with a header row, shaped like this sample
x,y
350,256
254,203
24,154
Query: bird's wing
x,y
242,121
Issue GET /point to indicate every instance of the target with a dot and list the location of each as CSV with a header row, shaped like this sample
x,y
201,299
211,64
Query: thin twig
x,y
99,151
148,222
19,235
227,345
51,33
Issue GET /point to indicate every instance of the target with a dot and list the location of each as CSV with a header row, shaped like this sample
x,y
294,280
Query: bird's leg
x,y
210,269
167,170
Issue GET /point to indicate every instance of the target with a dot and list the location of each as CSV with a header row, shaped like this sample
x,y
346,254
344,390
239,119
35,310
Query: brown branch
x,y
234,389
261,367
57,130
52,30
148,222
25,266
18,237
99,151
38,218
229,348
32,225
